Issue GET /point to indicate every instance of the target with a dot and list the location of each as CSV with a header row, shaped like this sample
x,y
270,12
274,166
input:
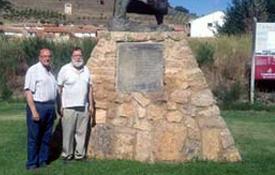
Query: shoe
x,y
79,157
31,168
67,160
43,165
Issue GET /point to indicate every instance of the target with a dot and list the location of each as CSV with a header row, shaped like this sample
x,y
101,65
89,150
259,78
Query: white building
x,y
11,31
68,9
206,26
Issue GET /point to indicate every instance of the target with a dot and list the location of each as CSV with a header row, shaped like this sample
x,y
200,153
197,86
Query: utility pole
x,y
252,75
114,8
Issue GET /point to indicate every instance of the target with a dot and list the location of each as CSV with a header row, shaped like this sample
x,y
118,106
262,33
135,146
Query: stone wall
x,y
179,123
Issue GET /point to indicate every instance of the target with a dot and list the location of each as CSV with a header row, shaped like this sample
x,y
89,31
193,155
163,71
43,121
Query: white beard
x,y
78,64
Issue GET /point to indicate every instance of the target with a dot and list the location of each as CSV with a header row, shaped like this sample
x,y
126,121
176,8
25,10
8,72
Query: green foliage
x,y
239,16
226,75
203,50
35,14
6,93
5,5
8,48
10,54
205,53
31,47
270,4
228,96
87,46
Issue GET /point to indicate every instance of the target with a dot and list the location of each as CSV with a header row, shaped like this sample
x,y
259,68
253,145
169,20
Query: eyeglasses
x,y
77,55
46,56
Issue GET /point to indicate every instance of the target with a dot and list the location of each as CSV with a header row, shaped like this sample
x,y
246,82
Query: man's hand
x,y
61,112
35,116
91,109
29,98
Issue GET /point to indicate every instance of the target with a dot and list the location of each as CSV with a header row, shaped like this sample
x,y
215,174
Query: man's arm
x,y
60,83
60,108
29,98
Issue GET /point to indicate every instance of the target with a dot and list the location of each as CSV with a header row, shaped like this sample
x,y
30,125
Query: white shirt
x,y
41,83
75,85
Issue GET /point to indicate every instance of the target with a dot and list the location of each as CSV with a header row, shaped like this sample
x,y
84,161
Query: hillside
x,y
80,7
92,11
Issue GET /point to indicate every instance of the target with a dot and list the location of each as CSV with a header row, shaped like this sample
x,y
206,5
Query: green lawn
x,y
254,133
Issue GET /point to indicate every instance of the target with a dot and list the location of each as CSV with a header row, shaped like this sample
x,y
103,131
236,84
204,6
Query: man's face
x,y
77,59
45,57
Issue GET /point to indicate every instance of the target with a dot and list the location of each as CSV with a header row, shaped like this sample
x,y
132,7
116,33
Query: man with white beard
x,y
75,89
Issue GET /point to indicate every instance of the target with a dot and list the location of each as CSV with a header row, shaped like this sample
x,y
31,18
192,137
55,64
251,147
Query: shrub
x,y
31,46
6,93
205,53
87,46
227,96
227,73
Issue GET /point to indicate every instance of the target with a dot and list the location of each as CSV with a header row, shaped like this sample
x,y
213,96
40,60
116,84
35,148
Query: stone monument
x,y
153,103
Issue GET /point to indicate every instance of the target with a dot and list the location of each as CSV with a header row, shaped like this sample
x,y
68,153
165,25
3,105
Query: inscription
x,y
140,67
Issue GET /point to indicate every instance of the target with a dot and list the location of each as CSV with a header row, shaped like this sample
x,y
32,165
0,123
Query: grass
x,y
246,106
253,132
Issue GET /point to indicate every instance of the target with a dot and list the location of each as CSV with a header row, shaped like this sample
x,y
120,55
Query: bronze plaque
x,y
140,67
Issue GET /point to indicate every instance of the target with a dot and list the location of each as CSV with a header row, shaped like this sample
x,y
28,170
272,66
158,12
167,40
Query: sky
x,y
201,7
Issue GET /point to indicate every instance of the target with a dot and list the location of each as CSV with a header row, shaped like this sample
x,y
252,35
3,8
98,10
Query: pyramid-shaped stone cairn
x,y
153,103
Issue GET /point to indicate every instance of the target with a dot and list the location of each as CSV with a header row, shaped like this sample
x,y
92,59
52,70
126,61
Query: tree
x,y
256,8
5,5
182,9
270,5
239,16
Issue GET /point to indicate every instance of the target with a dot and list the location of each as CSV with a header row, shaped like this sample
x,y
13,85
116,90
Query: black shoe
x,y
67,160
43,165
31,168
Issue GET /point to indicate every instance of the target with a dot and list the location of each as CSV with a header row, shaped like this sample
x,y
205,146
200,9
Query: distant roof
x,y
41,31
10,29
208,15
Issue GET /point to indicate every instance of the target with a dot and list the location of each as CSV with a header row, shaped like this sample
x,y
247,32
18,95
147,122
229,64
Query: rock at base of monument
x,y
119,24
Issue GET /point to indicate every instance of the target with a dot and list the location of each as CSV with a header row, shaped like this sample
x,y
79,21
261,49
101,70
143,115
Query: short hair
x,y
44,48
76,48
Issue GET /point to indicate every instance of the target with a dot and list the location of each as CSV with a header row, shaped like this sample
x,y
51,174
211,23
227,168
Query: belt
x,y
45,102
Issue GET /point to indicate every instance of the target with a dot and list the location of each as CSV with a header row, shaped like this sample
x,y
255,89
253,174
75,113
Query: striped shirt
x,y
41,83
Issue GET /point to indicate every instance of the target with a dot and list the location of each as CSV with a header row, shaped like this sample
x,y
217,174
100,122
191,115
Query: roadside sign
x,y
265,67
263,57
265,51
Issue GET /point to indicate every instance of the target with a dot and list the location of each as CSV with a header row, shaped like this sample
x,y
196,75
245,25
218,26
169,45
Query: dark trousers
x,y
39,134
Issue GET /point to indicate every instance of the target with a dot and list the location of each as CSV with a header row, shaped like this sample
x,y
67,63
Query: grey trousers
x,y
74,124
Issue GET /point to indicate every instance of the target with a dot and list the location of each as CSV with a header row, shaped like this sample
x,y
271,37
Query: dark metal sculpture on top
x,y
120,22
